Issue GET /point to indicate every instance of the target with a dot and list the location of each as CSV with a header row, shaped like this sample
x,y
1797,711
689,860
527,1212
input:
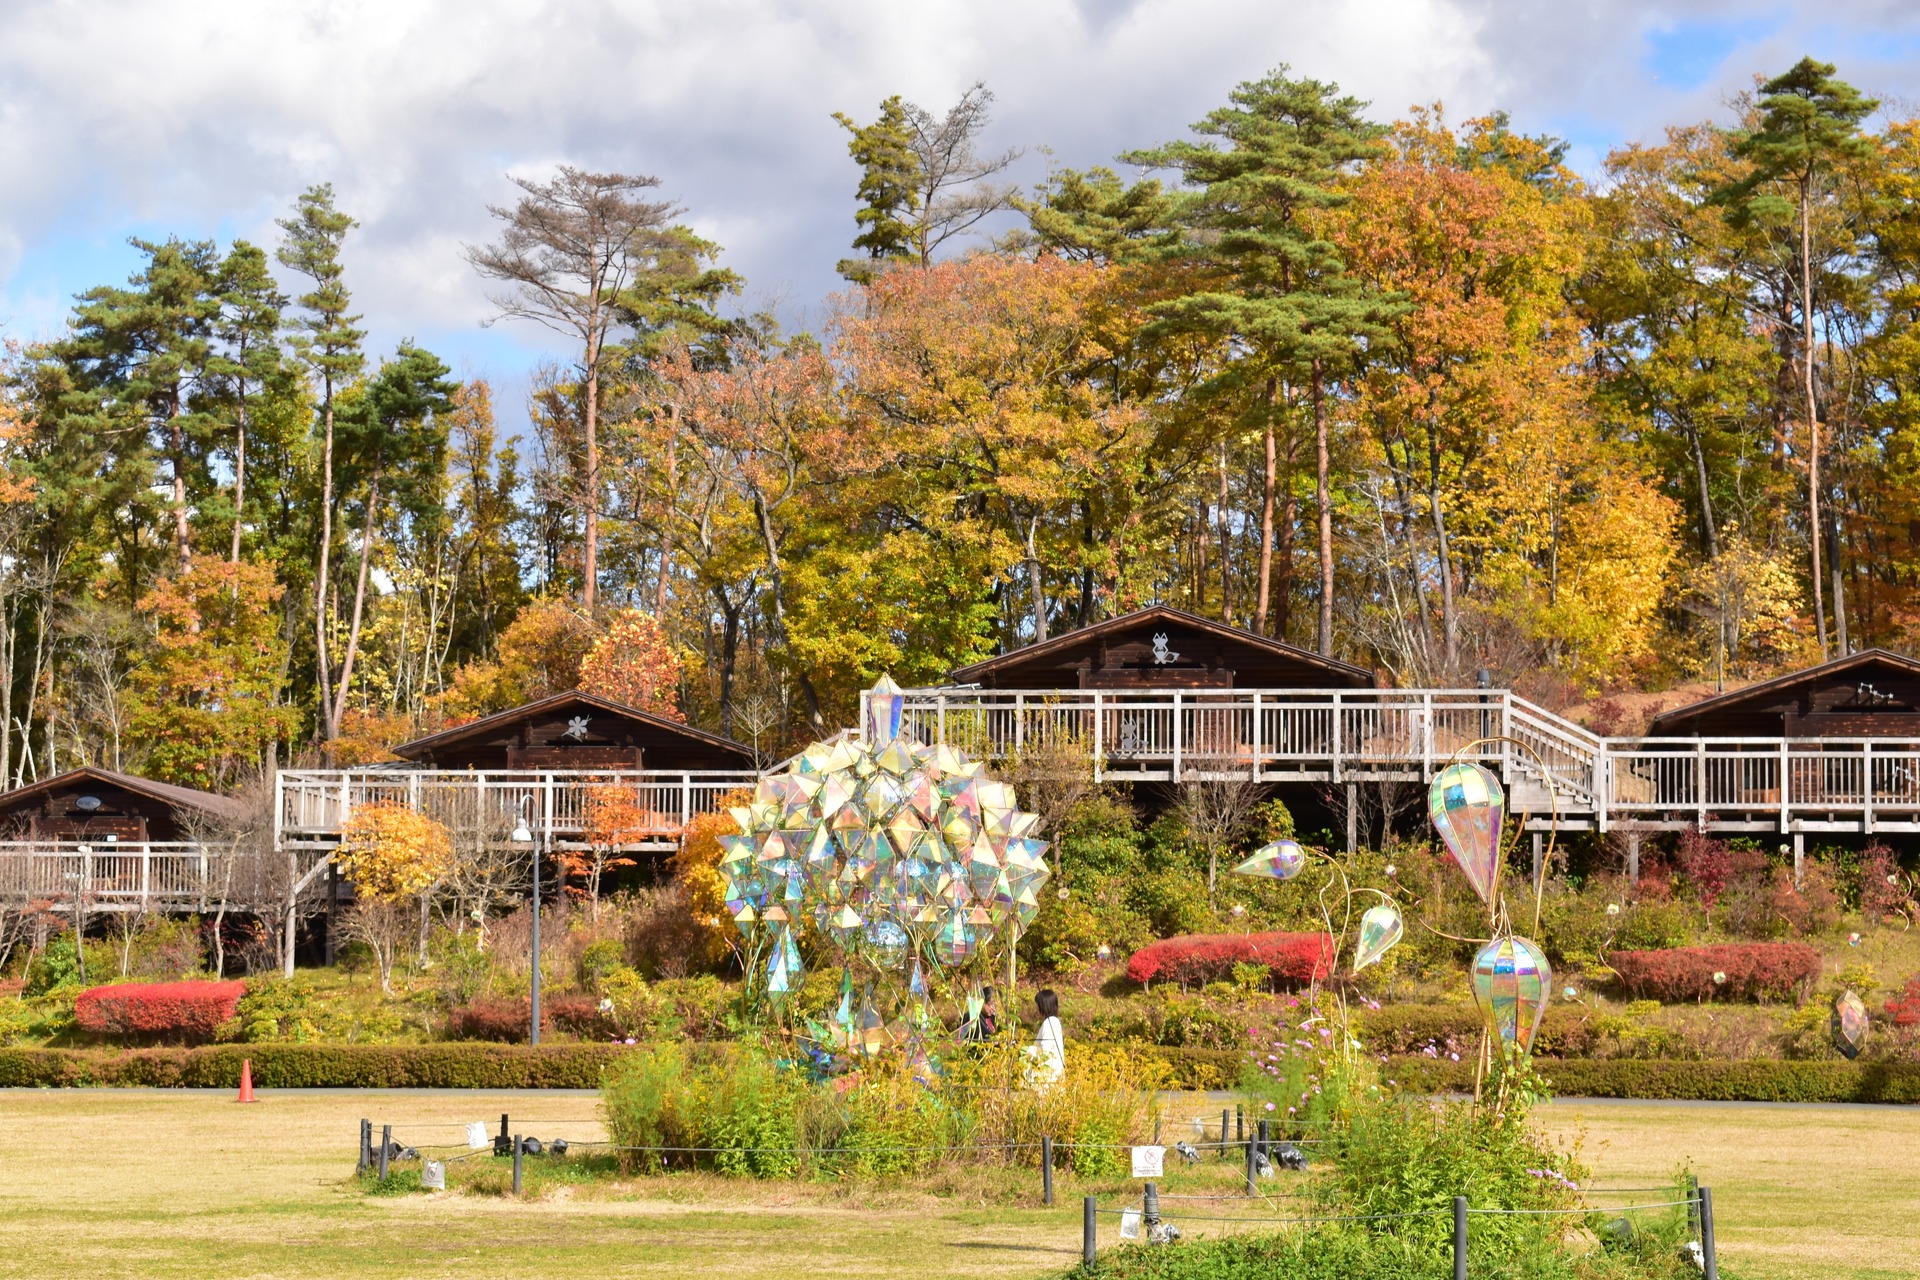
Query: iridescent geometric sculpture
x,y
907,861
1466,805
1512,984
1281,860
1380,928
1849,1025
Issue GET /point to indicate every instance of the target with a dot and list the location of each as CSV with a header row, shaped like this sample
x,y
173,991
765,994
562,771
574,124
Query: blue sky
x,y
205,118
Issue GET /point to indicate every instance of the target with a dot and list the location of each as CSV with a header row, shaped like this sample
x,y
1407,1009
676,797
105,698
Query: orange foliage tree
x,y
393,856
539,654
633,663
207,702
696,869
613,820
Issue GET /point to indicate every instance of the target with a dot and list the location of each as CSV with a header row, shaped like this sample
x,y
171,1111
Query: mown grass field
x,y
164,1184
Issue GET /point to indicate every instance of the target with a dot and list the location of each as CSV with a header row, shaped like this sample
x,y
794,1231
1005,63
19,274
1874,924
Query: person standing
x,y
1049,1051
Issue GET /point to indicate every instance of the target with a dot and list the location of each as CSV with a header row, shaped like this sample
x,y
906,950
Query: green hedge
x,y
1761,1080
313,1066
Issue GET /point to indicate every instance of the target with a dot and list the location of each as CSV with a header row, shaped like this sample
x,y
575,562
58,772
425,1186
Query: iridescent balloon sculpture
x,y
1512,981
901,857
1281,860
1380,928
1849,1024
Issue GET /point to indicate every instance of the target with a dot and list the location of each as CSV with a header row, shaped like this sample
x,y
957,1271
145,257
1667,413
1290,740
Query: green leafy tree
x,y
1269,281
326,341
1809,126
888,191
248,362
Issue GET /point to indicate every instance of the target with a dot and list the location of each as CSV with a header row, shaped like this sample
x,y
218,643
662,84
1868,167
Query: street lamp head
x,y
521,834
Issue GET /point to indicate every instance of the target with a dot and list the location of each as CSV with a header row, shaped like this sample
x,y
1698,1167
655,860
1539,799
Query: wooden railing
x,y
104,876
314,805
1330,736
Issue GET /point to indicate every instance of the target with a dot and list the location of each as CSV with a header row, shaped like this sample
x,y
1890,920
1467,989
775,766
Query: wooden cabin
x,y
1871,694
101,806
576,731
1162,648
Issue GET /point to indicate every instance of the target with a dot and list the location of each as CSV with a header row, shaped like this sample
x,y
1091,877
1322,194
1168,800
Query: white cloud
x,y
207,117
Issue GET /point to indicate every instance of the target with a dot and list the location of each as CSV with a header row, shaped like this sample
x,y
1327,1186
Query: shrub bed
x,y
1198,958
184,1011
1411,1029
1728,971
312,1066
1761,1080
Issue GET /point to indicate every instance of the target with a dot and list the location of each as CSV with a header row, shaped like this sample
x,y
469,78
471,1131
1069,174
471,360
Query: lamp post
x,y
523,834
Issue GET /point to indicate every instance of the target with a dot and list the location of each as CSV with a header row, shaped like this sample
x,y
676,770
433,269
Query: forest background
x,y
1409,393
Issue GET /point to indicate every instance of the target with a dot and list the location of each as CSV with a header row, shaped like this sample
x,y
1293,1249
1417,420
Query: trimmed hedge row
x,y
1407,1029
188,1011
313,1066
578,1066
1723,971
1761,1080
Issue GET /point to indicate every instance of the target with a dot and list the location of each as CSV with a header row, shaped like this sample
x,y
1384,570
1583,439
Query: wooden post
x,y
1539,858
1256,735
1633,857
1866,793
386,1144
1799,856
1353,816
1335,744
1099,735
1176,735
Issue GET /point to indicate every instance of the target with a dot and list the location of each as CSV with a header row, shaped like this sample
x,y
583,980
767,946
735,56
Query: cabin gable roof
x,y
460,745
1125,647
1849,686
89,778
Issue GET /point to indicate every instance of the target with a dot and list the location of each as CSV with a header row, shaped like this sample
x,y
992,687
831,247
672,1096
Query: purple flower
x,y
1270,1107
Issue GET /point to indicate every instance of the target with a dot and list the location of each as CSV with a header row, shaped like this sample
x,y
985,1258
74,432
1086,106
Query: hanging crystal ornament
x,y
1466,805
1849,1024
891,852
1512,983
1281,860
1380,928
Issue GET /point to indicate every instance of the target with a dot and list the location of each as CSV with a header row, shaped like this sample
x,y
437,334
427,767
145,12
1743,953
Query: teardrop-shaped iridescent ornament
x,y
1466,805
1849,1025
1380,928
1512,983
1281,860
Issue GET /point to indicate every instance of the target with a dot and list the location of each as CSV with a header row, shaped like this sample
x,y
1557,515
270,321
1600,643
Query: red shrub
x,y
184,1011
1904,1008
1753,971
506,1020
1881,893
1209,957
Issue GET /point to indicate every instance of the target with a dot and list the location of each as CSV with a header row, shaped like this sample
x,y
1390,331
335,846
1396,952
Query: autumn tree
x,y
612,821
393,856
539,654
206,702
632,662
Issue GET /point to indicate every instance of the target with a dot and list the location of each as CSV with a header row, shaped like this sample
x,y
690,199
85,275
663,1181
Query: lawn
x,y
157,1184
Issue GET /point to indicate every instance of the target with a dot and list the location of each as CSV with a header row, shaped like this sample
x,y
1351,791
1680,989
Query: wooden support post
x,y
1353,817
1539,858
1799,857
1633,857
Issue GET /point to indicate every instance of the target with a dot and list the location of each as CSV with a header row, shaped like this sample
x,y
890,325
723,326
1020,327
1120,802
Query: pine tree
x,y
1273,284
325,339
1809,125
888,191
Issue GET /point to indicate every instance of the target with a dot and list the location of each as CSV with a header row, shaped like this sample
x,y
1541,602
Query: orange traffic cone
x,y
246,1080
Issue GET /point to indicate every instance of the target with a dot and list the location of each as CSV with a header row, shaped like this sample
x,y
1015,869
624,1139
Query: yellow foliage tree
x,y
696,868
392,856
634,664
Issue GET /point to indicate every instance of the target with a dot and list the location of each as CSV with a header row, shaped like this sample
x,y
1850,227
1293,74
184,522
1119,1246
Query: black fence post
x,y
1089,1224
1046,1171
1239,1124
1226,1135
1708,1257
386,1145
1150,1209
516,1164
1459,1238
1264,1148
366,1147
1252,1188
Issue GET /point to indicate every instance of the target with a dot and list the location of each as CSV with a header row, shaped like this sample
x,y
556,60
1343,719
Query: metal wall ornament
x,y
908,861
1467,806
1850,1024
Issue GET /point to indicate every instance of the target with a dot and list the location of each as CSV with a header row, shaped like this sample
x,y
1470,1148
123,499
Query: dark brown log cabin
x,y
100,805
1162,648
1871,694
576,731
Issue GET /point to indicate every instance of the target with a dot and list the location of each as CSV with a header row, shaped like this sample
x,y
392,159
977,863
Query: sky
x,y
207,118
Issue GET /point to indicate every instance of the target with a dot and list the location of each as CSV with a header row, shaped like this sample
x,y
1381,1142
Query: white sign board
x,y
1129,1224
1149,1162
477,1134
433,1176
